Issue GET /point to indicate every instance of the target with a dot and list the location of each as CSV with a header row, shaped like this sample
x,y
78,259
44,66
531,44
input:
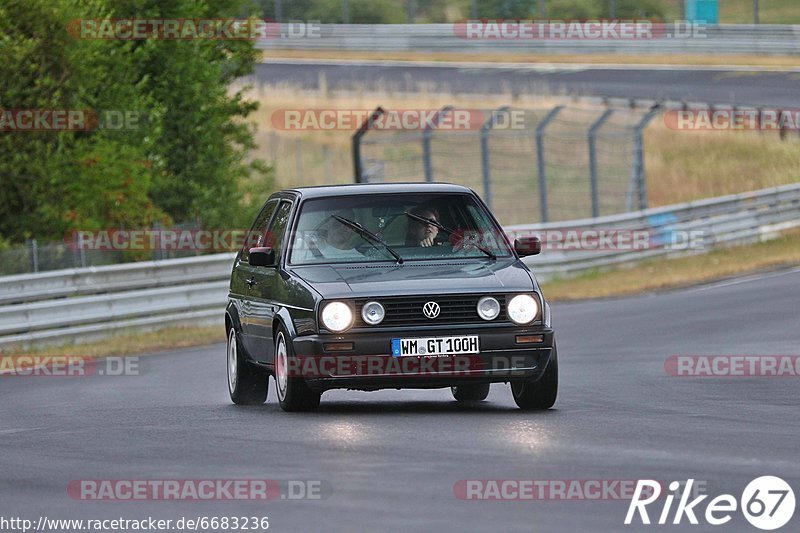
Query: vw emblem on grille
x,y
431,309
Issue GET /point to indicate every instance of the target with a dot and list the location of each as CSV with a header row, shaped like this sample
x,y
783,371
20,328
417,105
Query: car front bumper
x,y
369,365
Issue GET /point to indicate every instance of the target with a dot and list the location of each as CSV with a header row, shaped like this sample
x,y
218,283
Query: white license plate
x,y
435,346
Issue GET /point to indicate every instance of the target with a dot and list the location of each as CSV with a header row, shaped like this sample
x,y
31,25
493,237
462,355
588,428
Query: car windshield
x,y
392,227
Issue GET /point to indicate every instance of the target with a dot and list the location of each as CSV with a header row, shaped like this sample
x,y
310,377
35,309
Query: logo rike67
x,y
767,502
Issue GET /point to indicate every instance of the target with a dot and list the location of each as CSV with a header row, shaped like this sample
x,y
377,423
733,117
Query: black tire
x,y
247,384
472,392
538,395
293,393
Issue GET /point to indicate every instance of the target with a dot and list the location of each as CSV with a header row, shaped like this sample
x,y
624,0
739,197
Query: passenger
x,y
420,234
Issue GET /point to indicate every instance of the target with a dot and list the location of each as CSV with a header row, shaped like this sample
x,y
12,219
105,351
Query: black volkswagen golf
x,y
377,286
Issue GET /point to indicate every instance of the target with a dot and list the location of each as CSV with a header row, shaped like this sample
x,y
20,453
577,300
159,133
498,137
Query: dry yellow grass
x,y
688,165
131,343
681,165
660,274
772,62
316,157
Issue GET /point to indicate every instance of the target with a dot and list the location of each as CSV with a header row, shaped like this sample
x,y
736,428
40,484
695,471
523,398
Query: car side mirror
x,y
525,246
262,257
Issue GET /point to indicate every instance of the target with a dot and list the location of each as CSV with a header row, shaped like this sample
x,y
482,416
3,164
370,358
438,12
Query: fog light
x,y
373,313
488,308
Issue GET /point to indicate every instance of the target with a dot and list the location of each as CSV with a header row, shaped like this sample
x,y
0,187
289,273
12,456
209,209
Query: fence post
x,y
540,160
81,250
327,164
34,255
593,160
158,253
638,158
426,142
487,174
298,160
357,167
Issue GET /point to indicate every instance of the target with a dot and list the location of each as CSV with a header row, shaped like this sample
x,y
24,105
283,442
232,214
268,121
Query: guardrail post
x,y
357,167
638,175
593,160
426,142
540,160
487,177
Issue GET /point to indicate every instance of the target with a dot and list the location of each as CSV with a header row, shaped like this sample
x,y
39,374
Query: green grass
x,y
770,11
730,11
666,273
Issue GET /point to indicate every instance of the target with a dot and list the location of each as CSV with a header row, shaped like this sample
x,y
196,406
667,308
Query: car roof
x,y
378,188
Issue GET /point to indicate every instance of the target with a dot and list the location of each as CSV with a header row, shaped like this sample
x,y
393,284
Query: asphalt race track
x,y
717,86
391,459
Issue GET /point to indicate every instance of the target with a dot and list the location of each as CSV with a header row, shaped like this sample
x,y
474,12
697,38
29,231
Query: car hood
x,y
354,280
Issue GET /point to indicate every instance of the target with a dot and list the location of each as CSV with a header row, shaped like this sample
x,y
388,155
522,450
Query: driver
x,y
331,240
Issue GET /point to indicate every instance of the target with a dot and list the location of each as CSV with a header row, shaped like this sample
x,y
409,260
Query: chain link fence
x,y
533,165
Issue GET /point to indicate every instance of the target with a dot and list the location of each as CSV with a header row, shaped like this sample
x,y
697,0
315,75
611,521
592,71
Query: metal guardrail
x,y
734,219
114,278
78,304
720,39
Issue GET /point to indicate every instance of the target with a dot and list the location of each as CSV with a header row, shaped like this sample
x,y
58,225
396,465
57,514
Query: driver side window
x,y
255,236
274,237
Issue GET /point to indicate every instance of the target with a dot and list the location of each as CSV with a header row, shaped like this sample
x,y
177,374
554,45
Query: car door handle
x,y
251,281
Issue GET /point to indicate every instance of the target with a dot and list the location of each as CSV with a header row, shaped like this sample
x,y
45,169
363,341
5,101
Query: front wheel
x,y
538,395
247,385
470,392
293,393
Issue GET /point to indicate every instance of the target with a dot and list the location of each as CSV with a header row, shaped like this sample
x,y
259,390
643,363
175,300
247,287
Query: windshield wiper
x,y
367,235
449,232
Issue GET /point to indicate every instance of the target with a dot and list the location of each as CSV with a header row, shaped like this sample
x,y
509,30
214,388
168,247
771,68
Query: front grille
x,y
407,310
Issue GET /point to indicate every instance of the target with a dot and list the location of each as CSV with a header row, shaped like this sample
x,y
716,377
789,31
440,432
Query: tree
x,y
186,159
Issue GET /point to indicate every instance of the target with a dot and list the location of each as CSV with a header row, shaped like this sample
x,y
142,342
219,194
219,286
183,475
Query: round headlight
x,y
373,313
488,308
522,309
337,316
